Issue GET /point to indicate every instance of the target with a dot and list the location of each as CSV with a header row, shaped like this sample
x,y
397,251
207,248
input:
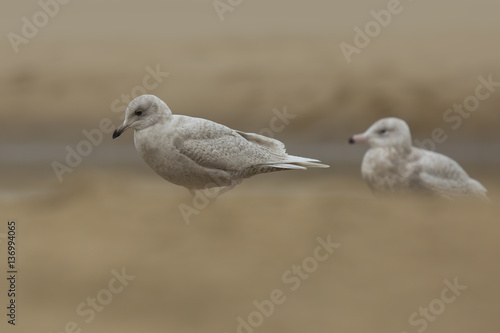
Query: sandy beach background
x,y
110,215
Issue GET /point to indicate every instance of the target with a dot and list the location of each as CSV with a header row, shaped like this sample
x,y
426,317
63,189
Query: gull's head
x,y
386,132
142,112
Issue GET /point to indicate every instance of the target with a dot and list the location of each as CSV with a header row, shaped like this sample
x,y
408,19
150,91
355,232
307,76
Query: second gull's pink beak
x,y
358,138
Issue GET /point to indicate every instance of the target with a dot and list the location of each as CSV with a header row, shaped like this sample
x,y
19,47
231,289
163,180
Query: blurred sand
x,y
70,86
394,253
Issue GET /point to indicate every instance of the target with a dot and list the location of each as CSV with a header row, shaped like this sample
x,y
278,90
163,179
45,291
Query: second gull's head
x,y
386,132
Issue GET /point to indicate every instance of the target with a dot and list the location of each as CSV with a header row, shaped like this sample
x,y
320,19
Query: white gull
x,y
392,164
197,153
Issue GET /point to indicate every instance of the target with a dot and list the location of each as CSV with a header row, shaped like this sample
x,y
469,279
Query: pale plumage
x,y
392,164
198,153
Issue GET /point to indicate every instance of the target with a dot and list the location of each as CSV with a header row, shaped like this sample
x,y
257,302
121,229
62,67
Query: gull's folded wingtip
x,y
319,165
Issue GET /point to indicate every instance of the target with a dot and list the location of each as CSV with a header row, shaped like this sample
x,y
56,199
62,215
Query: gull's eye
x,y
382,131
138,113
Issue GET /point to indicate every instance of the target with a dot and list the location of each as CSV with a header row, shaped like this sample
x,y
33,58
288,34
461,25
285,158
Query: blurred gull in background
x,y
197,153
392,164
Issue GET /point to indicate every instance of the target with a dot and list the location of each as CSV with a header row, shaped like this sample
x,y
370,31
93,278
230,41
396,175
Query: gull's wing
x,y
440,174
273,146
215,146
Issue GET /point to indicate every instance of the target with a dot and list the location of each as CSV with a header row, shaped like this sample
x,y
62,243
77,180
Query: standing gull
x,y
198,153
392,164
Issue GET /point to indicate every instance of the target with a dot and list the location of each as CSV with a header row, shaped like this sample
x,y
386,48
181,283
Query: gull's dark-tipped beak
x,y
117,133
358,138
